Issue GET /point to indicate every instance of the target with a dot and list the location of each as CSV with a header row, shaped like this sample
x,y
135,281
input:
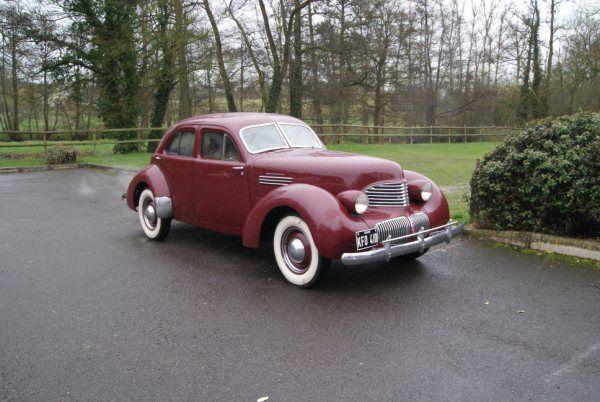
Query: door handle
x,y
157,157
238,168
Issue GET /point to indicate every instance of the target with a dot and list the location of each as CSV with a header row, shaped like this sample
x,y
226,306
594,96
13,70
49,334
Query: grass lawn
x,y
448,165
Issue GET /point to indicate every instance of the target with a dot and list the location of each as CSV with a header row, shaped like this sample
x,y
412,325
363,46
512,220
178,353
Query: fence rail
x,y
329,133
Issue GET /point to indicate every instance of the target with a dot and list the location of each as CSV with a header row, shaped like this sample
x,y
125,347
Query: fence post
x,y
449,135
45,142
94,143
431,134
465,131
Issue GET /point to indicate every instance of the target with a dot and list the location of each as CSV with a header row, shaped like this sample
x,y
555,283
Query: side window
x,y
173,147
219,146
212,145
231,152
186,143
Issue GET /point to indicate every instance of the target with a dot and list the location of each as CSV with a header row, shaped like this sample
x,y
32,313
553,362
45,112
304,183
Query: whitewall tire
x,y
295,252
154,228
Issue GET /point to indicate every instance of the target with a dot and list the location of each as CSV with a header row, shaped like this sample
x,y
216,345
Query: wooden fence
x,y
329,133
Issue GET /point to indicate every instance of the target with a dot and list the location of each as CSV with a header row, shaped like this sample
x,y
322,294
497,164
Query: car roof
x,y
234,121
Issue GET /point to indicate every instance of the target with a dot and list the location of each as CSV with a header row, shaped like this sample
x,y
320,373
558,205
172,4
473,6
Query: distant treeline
x,y
86,63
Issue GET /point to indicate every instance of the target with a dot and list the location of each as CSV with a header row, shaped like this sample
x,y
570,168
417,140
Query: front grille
x,y
421,221
393,227
388,194
401,226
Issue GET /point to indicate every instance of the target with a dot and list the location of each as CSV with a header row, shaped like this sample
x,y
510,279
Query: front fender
x,y
436,207
331,225
152,177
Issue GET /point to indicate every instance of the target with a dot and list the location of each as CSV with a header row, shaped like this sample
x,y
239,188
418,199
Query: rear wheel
x,y
296,254
155,228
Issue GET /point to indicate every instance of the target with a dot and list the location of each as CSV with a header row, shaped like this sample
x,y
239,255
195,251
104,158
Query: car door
x,y
221,183
177,163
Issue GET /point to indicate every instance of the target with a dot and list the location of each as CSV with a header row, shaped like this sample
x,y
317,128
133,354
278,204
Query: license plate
x,y
366,239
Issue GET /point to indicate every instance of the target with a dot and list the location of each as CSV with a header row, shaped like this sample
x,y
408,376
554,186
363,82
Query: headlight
x,y
426,191
356,202
361,203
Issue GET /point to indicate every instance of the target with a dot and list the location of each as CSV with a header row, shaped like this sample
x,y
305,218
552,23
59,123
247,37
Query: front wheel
x,y
295,252
155,228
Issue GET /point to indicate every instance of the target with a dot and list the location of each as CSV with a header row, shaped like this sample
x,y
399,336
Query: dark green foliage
x,y
544,179
165,78
109,26
59,155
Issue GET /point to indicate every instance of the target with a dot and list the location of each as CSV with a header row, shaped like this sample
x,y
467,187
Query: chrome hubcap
x,y
296,250
150,213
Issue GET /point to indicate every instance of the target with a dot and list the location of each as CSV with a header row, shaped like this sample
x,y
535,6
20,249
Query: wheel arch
x,y
139,188
331,225
150,177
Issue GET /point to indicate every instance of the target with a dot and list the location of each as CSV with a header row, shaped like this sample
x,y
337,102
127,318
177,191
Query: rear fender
x,y
152,177
331,225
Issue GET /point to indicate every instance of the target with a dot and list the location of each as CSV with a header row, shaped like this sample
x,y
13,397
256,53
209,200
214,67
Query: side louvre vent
x,y
274,180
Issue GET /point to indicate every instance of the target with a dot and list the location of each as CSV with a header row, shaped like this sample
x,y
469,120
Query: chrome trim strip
x,y
440,234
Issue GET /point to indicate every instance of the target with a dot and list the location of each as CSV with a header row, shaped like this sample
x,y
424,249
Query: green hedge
x,y
544,179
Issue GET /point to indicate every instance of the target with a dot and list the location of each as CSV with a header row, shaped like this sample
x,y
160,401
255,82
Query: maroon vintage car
x,y
269,177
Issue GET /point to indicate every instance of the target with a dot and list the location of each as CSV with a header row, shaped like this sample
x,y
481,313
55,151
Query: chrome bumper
x,y
438,235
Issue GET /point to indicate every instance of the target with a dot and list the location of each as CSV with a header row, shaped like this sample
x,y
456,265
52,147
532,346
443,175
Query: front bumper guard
x,y
439,234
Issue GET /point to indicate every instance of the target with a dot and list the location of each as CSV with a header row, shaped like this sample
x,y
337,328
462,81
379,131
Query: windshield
x,y
267,137
262,138
300,136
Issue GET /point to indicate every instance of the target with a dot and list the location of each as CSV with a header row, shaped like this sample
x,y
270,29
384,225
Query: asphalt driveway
x,y
90,309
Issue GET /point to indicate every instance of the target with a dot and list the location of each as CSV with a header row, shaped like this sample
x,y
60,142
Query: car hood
x,y
331,170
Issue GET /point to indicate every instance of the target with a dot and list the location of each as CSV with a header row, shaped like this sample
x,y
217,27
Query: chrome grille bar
x,y
388,194
393,228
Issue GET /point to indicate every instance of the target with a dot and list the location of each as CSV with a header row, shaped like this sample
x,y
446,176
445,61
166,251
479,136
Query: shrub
x,y
59,155
545,179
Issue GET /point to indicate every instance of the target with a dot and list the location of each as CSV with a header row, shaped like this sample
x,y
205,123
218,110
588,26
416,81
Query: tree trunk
x,y
15,83
316,91
211,98
537,70
242,68
296,70
219,53
546,98
165,79
342,101
181,39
